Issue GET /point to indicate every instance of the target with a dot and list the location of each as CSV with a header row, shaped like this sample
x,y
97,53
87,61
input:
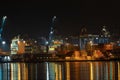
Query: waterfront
x,y
97,70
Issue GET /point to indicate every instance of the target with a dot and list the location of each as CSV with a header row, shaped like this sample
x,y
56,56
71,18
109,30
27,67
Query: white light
x,y
91,42
23,41
7,58
96,37
4,17
51,32
35,41
66,38
3,42
54,17
46,42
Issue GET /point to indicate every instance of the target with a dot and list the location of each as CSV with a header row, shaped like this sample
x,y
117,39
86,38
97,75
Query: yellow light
x,y
91,71
108,47
52,49
68,70
118,71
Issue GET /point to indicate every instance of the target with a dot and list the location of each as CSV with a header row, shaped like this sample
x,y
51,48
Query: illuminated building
x,y
102,38
17,46
56,45
20,46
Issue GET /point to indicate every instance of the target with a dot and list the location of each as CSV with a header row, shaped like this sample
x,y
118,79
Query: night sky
x,y
34,17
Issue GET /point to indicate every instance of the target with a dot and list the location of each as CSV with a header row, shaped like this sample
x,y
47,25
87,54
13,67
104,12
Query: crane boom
x,y
3,22
51,34
2,25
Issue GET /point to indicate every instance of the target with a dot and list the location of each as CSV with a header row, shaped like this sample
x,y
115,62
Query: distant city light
x,y
18,42
91,42
51,32
66,38
96,37
46,42
23,41
4,17
35,41
3,42
7,58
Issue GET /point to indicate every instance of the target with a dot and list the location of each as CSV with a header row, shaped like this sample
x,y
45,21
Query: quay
x,y
46,58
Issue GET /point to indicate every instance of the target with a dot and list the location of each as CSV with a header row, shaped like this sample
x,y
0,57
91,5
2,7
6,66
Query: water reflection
x,y
60,71
118,70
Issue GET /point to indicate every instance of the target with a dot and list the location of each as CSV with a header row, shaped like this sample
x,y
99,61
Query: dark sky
x,y
34,17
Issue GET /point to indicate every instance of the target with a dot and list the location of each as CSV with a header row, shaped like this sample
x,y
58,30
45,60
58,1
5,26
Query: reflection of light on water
x,y
106,68
58,73
8,68
118,71
36,70
97,71
1,72
25,71
5,71
91,71
11,71
47,71
52,72
61,71
19,77
111,71
15,71
68,70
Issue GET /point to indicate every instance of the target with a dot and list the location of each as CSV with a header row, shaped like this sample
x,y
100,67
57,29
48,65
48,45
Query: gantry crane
x,y
2,25
51,34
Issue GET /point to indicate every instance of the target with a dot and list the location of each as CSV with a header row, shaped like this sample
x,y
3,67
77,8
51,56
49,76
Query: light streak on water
x,y
60,71
118,70
91,71
47,69
106,68
1,72
111,71
67,71
97,71
56,72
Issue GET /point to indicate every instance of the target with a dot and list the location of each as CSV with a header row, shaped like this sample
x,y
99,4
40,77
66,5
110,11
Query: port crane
x,y
51,34
2,25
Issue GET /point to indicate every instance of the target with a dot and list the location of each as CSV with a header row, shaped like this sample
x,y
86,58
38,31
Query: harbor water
x,y
95,70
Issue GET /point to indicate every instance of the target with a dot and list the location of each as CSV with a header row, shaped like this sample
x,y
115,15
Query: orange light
x,y
108,47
